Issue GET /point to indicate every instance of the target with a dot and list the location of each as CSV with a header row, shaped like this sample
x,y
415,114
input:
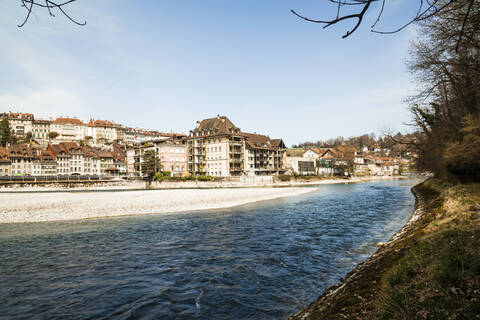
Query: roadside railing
x,y
57,178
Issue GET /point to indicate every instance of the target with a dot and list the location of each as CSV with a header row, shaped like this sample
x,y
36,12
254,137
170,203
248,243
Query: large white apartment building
x,y
219,148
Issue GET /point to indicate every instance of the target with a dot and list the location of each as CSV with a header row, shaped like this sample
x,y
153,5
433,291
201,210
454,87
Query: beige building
x,y
40,130
68,129
218,148
69,157
263,156
172,154
5,163
299,161
21,123
44,164
21,157
5,167
101,131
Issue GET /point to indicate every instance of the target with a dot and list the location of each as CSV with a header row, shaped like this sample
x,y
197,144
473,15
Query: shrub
x,y
285,177
204,178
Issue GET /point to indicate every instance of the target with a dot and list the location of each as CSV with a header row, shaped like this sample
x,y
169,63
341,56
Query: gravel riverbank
x,y
38,206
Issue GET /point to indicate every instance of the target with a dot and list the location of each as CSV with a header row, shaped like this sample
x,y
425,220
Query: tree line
x,y
446,111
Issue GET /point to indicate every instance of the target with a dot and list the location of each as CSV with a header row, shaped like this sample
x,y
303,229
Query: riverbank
x,y
429,270
167,185
55,206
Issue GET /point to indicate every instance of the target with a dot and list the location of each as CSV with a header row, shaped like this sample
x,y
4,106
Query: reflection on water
x,y
263,260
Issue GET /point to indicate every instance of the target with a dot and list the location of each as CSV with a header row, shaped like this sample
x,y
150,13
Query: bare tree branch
x,y
426,10
29,5
358,16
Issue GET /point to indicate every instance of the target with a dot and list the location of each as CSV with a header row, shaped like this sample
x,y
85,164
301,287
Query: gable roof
x,y
260,141
68,121
296,152
100,123
219,125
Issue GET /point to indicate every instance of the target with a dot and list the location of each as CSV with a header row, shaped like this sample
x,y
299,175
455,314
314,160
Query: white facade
x,y
68,129
301,165
311,154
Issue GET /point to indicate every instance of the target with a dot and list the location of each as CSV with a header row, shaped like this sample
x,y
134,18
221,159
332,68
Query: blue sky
x,y
166,64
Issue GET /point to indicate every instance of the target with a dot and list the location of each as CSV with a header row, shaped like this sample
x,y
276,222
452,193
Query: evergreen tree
x,y
5,132
150,165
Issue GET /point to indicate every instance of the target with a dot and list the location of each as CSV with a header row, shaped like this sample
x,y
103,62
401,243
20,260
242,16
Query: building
x,y
298,163
5,163
21,123
101,131
263,156
105,160
172,153
135,136
119,159
21,157
382,166
5,167
69,157
219,148
68,129
40,130
44,164
131,172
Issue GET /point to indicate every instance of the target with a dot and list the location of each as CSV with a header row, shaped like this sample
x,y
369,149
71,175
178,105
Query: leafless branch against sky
x,y
50,6
426,9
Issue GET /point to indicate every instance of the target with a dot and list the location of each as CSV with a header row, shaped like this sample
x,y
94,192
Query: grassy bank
x,y
430,270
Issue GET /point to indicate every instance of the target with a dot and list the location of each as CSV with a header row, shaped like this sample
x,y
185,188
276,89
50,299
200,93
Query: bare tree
x,y
426,9
50,6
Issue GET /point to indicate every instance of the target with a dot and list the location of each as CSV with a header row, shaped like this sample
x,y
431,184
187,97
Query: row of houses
x,y
97,132
340,160
65,158
215,147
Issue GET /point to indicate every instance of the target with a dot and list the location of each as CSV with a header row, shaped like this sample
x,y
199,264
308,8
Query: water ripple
x,y
262,260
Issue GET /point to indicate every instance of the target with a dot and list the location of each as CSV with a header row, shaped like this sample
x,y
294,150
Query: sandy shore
x,y
36,207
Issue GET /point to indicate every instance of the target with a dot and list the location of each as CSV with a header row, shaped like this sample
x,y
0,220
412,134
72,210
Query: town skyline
x,y
166,130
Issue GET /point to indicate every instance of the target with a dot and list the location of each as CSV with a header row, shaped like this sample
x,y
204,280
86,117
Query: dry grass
x,y
439,278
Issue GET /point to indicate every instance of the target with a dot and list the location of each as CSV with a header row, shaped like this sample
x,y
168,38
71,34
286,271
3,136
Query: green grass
x,y
438,279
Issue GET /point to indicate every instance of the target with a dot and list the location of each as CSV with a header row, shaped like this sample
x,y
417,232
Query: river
x,y
260,261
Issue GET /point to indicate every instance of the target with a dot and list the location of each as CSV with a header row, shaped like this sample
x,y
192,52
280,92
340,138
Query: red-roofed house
x,y
21,123
68,129
101,131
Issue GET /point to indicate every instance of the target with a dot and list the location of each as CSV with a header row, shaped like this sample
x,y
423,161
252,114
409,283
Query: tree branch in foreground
x,y
30,5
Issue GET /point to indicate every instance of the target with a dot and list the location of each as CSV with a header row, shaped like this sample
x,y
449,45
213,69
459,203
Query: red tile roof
x,y
68,120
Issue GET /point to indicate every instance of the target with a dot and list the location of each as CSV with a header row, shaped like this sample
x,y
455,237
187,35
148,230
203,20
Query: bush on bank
x,y
166,176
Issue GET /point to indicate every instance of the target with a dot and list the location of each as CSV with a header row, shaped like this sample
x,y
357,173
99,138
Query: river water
x,y
258,261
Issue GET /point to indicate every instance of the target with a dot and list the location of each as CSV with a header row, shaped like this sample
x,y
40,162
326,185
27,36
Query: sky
x,y
164,65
